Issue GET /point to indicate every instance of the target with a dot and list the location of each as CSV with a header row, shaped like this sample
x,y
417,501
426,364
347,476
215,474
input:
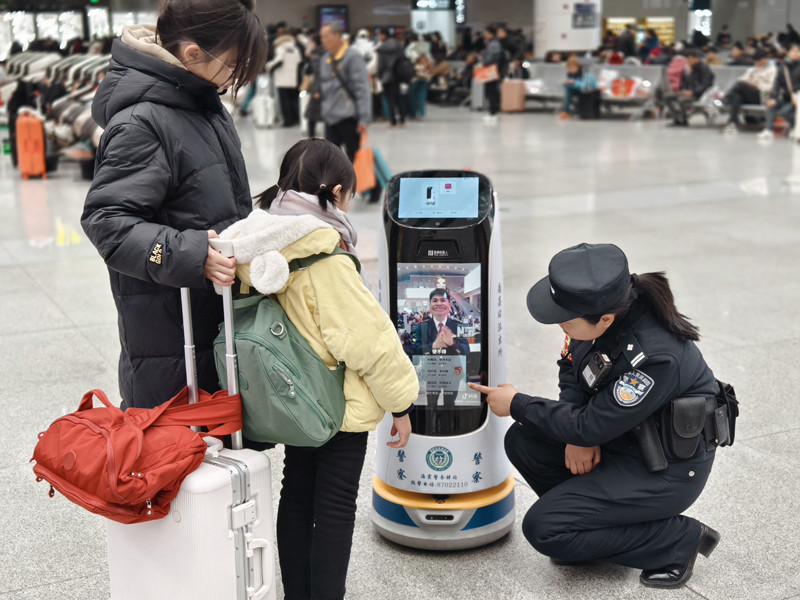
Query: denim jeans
x,y
783,109
418,95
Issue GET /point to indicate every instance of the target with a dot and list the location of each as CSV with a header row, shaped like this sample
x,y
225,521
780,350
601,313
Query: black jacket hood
x,y
135,77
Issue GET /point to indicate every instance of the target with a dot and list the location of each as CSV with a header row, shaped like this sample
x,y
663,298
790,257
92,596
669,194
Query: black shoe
x,y
674,577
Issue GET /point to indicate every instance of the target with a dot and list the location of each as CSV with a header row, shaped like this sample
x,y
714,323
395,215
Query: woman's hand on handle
x,y
401,427
221,270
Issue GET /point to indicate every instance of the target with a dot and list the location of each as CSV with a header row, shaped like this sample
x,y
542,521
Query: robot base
x,y
453,522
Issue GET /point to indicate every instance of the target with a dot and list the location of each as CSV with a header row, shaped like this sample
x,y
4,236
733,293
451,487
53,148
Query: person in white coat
x,y
367,49
285,72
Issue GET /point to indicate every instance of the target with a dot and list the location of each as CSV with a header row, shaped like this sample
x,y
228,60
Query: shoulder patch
x,y
565,353
632,387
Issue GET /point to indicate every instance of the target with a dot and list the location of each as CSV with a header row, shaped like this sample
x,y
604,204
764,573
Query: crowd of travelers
x,y
772,79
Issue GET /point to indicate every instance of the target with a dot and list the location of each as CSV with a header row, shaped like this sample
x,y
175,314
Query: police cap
x,y
583,280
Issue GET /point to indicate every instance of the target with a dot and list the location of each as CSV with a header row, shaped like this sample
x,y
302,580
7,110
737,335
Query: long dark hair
x,y
314,166
654,287
216,26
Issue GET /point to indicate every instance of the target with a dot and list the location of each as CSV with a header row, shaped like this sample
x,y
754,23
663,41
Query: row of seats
x,y
625,87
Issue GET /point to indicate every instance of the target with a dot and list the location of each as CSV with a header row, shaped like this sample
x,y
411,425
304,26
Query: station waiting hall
x,y
393,299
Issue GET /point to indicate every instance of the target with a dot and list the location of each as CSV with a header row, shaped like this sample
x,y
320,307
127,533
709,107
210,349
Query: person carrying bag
x,y
297,249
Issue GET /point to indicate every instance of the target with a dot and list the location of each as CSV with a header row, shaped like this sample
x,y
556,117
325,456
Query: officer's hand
x,y
499,398
402,427
581,460
771,103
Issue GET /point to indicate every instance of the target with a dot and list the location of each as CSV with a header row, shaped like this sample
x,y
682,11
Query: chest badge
x,y
632,387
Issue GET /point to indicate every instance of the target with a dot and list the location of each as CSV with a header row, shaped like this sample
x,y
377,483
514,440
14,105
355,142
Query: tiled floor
x,y
721,215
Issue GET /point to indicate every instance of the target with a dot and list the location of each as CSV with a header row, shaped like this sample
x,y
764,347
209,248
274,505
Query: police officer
x,y
630,377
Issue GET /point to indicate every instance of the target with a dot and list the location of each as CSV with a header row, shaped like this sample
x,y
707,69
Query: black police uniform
x,y
620,512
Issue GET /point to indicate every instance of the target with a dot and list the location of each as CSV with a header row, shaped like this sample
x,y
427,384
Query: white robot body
x,y
457,491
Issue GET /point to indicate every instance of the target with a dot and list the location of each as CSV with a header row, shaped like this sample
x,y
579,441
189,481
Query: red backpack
x,y
128,466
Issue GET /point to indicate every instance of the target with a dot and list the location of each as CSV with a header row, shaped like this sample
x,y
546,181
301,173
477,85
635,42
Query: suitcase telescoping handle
x,y
225,248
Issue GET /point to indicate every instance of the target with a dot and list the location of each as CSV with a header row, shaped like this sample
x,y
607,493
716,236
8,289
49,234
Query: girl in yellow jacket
x,y
341,320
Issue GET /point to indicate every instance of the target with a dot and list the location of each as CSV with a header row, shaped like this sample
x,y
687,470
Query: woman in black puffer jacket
x,y
169,175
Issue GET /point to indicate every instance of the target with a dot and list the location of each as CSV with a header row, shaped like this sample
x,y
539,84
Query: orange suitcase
x,y
512,95
30,147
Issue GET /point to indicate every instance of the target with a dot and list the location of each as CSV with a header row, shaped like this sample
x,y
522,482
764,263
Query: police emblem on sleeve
x,y
439,458
631,388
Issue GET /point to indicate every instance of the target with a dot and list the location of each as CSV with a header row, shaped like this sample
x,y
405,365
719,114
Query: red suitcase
x,y
30,147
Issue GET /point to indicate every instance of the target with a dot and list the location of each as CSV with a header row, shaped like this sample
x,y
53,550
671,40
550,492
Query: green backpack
x,y
289,395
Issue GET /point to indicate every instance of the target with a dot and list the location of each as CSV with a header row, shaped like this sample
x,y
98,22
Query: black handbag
x,y
589,104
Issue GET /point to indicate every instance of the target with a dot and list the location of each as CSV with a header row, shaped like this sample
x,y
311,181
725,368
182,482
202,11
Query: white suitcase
x,y
264,111
217,541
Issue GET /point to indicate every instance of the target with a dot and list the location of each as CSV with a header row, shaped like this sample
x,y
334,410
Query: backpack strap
x,y
300,264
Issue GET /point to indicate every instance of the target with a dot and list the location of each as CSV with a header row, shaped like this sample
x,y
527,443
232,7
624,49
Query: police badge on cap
x,y
583,280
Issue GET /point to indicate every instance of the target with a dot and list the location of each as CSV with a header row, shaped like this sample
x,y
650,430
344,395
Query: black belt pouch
x,y
681,426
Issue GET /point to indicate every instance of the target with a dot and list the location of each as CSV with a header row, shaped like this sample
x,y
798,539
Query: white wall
x,y
428,21
553,29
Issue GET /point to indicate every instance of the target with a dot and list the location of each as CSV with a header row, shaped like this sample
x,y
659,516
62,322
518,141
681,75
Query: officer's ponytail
x,y
654,288
658,295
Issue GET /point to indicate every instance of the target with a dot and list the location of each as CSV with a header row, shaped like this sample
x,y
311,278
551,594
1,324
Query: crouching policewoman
x,y
630,443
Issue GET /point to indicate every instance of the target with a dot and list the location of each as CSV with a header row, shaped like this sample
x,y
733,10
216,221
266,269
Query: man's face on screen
x,y
440,307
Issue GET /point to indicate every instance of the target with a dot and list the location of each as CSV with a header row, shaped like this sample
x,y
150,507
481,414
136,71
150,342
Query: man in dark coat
x,y
694,83
390,52
169,172
437,336
626,43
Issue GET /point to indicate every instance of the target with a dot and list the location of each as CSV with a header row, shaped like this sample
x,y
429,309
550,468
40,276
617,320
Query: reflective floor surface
x,y
720,215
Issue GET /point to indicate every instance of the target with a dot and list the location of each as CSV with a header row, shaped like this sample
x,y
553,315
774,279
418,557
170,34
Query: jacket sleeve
x,y
131,183
358,80
568,383
613,411
492,54
704,81
358,332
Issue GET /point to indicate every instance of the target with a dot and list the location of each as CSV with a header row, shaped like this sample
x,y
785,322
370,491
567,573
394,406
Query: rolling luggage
x,y
217,541
30,146
512,95
589,102
264,110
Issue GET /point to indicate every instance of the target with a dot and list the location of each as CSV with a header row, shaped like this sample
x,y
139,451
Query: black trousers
x,y
344,133
392,91
618,513
290,106
317,514
492,92
677,106
741,93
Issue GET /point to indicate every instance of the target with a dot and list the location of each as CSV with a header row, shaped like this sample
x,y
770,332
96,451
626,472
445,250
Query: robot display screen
x,y
439,322
447,197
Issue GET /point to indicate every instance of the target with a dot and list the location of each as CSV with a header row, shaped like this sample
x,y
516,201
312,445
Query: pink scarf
x,y
293,203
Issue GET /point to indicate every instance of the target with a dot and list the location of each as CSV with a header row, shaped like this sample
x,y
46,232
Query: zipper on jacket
x,y
303,397
257,338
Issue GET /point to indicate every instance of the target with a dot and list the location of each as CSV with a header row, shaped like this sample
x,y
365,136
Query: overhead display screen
x,y
445,197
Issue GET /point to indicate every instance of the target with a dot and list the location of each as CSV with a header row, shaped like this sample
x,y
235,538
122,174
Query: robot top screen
x,y
439,322
444,197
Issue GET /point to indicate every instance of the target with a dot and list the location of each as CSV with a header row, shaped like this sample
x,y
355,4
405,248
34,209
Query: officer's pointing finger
x,y
481,388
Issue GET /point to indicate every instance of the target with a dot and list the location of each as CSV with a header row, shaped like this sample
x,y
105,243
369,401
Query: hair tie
x,y
635,280
322,187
